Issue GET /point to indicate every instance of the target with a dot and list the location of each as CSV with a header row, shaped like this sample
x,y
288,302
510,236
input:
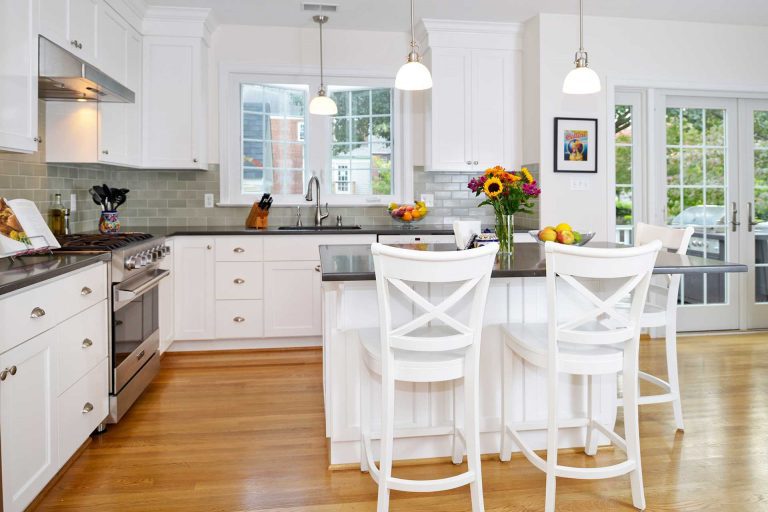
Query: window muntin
x,y
625,217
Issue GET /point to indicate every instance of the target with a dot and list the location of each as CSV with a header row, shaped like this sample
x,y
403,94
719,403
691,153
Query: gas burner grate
x,y
105,242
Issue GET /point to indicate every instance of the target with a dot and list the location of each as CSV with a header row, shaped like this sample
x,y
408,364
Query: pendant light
x,y
582,79
413,75
321,104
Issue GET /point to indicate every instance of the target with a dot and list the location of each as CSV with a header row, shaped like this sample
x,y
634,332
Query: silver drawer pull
x,y
37,313
86,291
239,319
317,268
88,407
4,374
12,370
239,281
87,343
141,354
238,250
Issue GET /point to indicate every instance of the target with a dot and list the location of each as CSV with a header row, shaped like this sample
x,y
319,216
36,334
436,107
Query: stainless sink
x,y
317,228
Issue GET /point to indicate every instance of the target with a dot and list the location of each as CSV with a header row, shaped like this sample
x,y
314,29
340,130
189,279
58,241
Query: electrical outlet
x,y
429,200
208,199
579,184
72,202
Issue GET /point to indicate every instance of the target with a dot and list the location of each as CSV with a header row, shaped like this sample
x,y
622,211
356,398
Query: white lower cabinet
x,y
54,381
194,266
28,427
238,319
292,307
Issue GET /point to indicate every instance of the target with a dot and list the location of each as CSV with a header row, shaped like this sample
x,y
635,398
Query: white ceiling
x,y
392,15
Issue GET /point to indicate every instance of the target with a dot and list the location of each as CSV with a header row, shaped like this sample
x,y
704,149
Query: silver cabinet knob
x,y
12,370
4,374
37,313
317,268
87,343
38,140
85,291
475,162
88,407
208,247
239,281
238,250
194,160
238,319
104,151
469,162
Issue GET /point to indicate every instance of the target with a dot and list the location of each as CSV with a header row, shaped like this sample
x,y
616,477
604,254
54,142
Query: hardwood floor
x,y
245,432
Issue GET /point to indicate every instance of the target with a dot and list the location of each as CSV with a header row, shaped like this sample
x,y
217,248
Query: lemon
x,y
393,206
563,227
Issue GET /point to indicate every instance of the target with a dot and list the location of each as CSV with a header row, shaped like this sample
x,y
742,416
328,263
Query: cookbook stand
x,y
44,251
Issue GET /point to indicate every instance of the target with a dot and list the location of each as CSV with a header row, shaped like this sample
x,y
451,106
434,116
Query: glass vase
x,y
505,232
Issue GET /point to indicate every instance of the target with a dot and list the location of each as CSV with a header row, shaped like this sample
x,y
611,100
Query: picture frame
x,y
575,144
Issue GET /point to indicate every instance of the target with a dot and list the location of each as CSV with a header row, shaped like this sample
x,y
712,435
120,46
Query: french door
x,y
712,174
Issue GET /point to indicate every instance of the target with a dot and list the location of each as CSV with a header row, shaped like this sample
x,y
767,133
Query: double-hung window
x,y
274,145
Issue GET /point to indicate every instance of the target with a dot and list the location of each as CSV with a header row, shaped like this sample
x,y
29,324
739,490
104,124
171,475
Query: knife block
x,y
258,218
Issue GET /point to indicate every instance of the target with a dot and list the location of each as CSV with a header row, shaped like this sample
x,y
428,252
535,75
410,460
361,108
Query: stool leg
x,y
505,448
472,428
387,440
631,426
590,446
674,381
457,454
552,377
365,413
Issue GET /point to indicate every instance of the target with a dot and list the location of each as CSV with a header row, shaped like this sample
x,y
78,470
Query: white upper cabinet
x,y
475,99
175,104
112,38
72,25
18,75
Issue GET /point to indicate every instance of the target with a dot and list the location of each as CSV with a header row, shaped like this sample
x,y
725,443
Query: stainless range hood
x,y
65,77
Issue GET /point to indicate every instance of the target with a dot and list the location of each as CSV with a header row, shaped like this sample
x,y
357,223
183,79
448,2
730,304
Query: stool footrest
x,y
667,396
441,484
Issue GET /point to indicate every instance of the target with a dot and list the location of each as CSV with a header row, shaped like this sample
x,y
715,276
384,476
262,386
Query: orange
x,y
407,217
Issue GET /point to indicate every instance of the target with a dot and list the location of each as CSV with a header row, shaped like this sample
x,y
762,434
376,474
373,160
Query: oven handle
x,y
130,294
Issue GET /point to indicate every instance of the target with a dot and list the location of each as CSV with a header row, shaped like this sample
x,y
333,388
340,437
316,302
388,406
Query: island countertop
x,y
355,262
29,270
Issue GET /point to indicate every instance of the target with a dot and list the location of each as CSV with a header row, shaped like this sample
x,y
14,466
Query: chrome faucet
x,y
319,215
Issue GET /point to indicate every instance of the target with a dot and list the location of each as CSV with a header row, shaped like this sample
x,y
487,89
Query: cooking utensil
x,y
108,194
96,198
119,198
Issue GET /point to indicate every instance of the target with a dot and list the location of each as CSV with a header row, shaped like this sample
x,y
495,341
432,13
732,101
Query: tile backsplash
x,y
175,198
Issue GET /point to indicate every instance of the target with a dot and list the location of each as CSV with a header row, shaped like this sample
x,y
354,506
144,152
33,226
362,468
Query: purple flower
x,y
531,189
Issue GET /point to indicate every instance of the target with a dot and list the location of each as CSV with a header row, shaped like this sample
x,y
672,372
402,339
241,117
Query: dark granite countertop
x,y
29,270
355,263
417,229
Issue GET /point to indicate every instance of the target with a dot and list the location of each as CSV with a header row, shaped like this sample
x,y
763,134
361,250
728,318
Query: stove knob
x,y
130,263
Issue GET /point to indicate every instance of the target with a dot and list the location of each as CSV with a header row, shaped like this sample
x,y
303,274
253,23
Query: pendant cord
x,y
581,25
322,82
413,33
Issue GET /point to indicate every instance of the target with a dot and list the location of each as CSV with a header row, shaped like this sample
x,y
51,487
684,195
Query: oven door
x,y
135,330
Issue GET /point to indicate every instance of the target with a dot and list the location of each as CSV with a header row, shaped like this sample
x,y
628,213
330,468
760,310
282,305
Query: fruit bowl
x,y
585,237
407,213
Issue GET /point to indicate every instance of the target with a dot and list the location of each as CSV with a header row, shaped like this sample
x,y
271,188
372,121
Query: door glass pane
x,y
760,211
624,148
697,186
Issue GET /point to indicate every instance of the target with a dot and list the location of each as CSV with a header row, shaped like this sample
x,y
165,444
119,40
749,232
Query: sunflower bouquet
x,y
508,193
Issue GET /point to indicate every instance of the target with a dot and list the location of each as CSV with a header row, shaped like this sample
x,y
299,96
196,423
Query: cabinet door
x,y
54,22
194,291
28,433
165,298
83,17
492,96
18,75
112,39
292,298
174,109
450,112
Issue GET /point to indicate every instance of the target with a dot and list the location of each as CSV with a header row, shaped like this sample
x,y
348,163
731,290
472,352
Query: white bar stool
x,y
419,351
664,315
599,339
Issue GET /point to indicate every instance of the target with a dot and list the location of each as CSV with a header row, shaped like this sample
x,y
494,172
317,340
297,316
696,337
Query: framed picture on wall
x,y
575,144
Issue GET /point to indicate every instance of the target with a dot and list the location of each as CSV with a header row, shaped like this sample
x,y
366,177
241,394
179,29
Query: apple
x,y
563,227
547,235
565,237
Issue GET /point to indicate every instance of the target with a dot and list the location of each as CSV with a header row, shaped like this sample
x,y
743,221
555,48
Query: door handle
x,y
86,291
88,407
37,313
750,220
239,281
87,343
238,250
735,219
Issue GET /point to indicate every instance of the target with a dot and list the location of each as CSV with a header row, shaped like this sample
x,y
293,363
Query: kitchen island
x,y
424,424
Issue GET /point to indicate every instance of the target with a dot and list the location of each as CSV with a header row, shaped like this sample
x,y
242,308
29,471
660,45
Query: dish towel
x,y
464,230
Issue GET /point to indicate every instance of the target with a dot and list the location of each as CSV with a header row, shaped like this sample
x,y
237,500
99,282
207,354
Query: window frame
x,y
317,136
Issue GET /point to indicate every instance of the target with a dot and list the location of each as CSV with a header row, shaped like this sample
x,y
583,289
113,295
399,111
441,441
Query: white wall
x,y
696,54
368,51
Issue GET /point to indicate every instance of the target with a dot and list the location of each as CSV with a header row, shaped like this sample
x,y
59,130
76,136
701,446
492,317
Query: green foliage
x,y
382,180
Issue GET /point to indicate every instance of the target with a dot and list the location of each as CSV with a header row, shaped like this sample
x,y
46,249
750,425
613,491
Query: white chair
x,y
418,350
594,340
664,314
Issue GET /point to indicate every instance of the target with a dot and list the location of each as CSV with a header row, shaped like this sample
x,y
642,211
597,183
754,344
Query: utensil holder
x,y
258,218
109,222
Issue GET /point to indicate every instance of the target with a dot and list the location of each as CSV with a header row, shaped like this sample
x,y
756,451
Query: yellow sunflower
x,y
525,172
493,187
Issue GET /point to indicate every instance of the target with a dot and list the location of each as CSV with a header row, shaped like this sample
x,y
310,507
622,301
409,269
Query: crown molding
x,y
179,21
469,34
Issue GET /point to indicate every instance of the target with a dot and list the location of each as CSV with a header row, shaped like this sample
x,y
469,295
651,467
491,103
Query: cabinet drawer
x,y
236,280
82,344
417,239
81,408
239,319
307,247
239,248
84,289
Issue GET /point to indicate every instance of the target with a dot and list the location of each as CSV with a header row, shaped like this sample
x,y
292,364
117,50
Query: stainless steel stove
x,y
135,337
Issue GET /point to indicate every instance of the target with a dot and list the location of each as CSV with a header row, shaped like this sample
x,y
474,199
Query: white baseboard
x,y
245,344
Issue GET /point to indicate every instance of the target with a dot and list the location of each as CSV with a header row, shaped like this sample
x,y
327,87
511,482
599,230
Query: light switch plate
x,y
72,202
429,200
208,198
579,184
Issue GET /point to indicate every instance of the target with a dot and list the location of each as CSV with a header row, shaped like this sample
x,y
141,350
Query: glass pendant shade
x,y
413,76
322,105
581,80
